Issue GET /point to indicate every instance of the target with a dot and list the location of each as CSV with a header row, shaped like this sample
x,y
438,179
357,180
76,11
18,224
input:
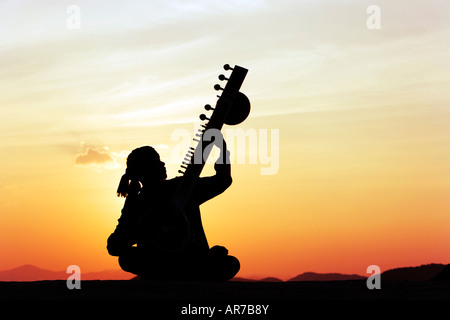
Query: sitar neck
x,y
231,108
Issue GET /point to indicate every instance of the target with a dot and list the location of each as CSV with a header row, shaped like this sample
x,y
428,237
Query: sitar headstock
x,y
233,105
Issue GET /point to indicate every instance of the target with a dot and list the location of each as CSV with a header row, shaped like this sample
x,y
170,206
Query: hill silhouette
x,y
32,273
312,276
267,279
428,272
421,273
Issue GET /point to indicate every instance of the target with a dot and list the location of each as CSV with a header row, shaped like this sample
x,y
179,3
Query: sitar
x,y
167,228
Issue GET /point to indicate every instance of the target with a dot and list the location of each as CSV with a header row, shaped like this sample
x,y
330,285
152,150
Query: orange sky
x,y
361,173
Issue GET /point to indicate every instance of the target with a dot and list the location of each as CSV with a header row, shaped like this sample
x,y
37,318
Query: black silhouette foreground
x,y
146,189
160,234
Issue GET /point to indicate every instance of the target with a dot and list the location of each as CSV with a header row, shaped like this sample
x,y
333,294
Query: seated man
x,y
145,187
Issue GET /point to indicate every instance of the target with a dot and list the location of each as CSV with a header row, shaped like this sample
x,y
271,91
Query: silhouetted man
x,y
145,187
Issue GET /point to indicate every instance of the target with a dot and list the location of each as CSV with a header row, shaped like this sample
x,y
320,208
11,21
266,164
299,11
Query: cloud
x,y
98,160
93,157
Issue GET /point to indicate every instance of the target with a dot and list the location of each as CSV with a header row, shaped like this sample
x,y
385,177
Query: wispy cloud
x,y
93,156
99,160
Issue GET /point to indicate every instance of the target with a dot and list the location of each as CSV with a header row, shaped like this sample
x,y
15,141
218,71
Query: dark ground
x,y
171,297
234,290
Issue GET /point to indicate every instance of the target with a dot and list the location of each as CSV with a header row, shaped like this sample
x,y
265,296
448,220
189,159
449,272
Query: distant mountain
x,y
243,279
267,279
107,275
270,279
32,273
436,272
312,276
422,273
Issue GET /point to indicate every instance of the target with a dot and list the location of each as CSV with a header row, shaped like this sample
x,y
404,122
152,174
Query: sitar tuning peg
x,y
182,172
208,107
222,77
227,67
218,87
203,117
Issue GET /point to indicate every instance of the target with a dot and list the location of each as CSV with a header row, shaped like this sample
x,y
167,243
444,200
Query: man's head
x,y
143,165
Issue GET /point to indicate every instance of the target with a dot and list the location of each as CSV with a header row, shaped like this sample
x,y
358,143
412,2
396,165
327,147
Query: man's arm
x,y
209,187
